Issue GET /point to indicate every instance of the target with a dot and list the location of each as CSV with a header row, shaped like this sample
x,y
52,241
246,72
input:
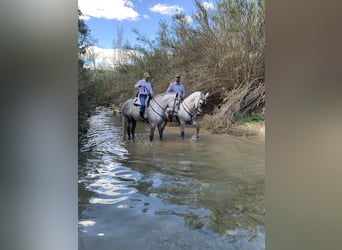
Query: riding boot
x,y
142,115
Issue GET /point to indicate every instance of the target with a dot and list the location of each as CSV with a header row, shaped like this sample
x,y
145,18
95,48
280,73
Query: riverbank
x,y
250,129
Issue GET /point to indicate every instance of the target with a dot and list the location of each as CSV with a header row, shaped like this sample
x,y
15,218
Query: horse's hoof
x,y
194,138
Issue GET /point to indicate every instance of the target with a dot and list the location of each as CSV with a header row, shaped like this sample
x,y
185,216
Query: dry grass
x,y
252,129
243,100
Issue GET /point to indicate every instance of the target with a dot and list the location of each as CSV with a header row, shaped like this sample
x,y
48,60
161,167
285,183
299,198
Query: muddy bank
x,y
253,129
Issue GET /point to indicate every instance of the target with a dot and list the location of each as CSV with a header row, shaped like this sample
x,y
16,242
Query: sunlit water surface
x,y
169,194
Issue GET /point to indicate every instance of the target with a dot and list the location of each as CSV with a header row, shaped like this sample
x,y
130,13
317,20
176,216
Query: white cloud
x,y
109,9
166,9
208,5
106,58
83,17
146,16
189,19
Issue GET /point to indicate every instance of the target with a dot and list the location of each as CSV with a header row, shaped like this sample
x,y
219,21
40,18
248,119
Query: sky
x,y
105,18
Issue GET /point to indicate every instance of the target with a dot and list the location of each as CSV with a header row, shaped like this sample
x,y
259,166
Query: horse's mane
x,y
194,94
163,94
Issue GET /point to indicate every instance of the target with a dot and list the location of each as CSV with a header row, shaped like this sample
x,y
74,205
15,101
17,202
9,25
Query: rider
x,y
145,90
177,87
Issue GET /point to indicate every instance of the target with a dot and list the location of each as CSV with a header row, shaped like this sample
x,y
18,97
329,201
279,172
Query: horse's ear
x,y
206,95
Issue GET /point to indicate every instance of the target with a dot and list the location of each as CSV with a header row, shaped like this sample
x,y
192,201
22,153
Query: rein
x,y
156,110
174,105
162,115
187,110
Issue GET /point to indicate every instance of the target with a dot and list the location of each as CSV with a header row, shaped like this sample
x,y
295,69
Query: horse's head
x,y
174,104
201,100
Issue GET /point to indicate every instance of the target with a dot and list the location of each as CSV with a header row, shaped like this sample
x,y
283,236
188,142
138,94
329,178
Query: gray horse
x,y
155,113
189,109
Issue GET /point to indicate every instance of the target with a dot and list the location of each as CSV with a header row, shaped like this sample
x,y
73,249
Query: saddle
x,y
136,100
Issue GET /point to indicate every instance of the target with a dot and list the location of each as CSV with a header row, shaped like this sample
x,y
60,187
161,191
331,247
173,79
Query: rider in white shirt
x,y
177,87
145,90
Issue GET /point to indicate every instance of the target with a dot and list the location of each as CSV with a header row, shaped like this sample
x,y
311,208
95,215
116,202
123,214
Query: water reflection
x,y
170,194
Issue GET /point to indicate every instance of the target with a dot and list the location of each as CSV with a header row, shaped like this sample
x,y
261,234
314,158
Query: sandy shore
x,y
252,129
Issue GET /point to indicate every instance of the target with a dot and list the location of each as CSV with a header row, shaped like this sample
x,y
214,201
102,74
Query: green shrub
x,y
251,118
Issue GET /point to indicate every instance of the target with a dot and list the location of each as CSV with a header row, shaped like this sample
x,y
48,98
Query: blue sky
x,y
105,17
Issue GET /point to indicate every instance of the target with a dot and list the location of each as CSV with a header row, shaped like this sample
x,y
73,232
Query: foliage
x,y
86,104
86,100
221,49
221,52
83,43
251,118
83,34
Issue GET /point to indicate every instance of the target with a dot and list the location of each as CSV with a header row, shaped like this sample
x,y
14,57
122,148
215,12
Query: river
x,y
170,194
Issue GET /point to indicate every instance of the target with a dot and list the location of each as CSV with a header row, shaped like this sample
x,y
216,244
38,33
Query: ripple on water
x,y
87,223
107,201
169,194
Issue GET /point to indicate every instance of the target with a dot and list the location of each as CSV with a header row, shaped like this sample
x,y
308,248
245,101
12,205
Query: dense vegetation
x,y
220,52
86,98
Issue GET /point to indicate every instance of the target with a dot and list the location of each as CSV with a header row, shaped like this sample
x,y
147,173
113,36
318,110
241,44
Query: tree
x,y
92,53
83,40
86,100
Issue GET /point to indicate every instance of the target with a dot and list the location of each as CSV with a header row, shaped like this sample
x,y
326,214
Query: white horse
x,y
155,113
189,109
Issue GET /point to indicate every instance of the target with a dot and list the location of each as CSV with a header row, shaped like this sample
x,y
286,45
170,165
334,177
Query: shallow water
x,y
169,194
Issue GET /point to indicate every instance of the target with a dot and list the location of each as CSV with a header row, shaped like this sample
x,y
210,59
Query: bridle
x,y
197,110
174,111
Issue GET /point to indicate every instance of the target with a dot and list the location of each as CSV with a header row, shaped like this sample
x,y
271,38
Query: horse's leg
x,y
182,125
161,127
160,130
197,128
164,123
152,132
128,127
134,124
124,122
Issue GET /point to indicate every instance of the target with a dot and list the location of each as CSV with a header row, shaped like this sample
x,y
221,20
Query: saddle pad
x,y
136,101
